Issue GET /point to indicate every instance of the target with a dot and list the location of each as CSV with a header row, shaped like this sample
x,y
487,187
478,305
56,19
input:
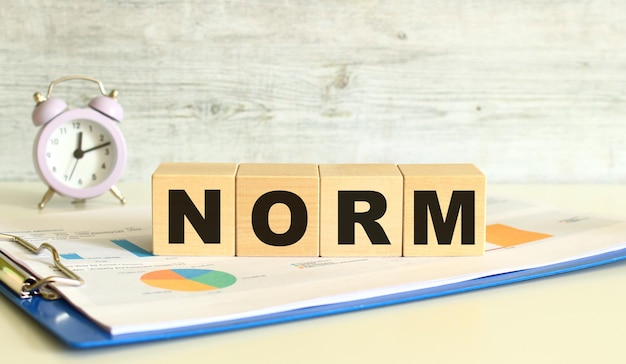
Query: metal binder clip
x,y
23,282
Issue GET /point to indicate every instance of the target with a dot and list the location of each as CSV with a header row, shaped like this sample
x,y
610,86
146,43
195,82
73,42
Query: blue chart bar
x,y
71,256
132,248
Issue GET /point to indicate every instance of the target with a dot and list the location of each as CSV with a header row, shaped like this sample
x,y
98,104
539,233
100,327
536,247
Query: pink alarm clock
x,y
79,153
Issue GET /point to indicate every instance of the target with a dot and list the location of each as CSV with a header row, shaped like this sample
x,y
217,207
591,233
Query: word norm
x,y
328,210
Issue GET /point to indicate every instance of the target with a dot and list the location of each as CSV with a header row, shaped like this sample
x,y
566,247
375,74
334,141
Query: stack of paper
x,y
128,290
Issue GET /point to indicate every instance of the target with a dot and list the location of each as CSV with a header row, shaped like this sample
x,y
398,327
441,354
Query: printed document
x,y
129,290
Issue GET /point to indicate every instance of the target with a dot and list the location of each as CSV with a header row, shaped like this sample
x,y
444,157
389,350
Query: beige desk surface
x,y
573,318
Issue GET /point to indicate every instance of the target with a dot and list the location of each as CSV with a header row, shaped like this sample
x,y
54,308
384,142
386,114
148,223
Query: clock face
x,y
80,153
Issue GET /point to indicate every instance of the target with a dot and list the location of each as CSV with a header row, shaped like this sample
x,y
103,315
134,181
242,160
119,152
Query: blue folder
x,y
74,329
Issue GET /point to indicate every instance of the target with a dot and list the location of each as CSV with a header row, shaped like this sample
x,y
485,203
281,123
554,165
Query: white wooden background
x,y
528,90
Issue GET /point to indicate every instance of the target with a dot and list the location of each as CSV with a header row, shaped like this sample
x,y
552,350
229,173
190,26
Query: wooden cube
x,y
360,210
444,210
193,209
277,210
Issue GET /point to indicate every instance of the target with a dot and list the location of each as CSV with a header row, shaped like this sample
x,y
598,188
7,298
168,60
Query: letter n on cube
x,y
193,209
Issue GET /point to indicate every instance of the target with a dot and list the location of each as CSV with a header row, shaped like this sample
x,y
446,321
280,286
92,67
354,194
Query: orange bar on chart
x,y
507,236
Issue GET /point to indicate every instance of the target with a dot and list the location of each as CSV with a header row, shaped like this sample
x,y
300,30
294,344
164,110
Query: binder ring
x,y
30,285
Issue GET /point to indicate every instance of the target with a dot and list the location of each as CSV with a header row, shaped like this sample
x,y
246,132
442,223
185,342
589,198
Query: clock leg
x,y
46,197
116,192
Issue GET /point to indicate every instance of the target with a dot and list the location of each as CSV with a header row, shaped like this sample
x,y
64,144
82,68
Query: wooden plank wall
x,y
529,91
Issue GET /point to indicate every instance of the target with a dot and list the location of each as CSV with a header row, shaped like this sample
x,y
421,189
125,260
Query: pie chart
x,y
188,280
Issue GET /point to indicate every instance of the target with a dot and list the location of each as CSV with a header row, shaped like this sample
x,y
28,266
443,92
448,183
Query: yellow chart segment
x,y
178,285
507,236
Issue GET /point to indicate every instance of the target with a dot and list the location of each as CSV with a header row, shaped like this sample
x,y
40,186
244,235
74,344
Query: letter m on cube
x,y
444,210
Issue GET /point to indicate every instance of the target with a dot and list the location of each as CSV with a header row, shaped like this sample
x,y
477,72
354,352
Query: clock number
x,y
63,130
76,125
106,151
54,141
93,177
48,154
104,166
80,181
54,169
101,137
90,128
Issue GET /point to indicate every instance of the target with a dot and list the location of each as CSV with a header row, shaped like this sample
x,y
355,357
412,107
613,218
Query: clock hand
x,y
78,153
96,147
73,169
80,141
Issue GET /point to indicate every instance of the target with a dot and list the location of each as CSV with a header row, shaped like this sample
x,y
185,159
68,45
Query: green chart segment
x,y
189,280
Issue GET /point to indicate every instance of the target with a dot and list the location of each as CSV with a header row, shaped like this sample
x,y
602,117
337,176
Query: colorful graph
x,y
126,245
188,279
507,236
132,248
